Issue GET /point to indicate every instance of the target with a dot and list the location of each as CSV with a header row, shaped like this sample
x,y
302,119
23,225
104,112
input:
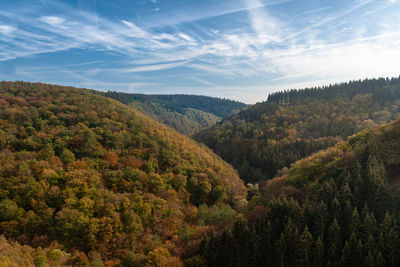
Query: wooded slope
x,y
264,138
92,174
339,207
185,113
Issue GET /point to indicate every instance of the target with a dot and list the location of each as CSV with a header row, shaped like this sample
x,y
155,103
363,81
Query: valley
x,y
95,182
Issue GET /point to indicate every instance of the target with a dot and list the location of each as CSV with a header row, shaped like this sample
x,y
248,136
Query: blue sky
x,y
240,49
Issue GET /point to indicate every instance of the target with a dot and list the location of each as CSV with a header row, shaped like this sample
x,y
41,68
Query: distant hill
x,y
338,207
90,174
185,113
264,138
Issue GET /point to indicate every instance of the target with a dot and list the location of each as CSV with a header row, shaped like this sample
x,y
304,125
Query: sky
x,y
241,49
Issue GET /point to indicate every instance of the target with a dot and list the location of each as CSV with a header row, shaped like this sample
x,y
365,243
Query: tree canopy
x,y
86,173
339,207
266,138
185,113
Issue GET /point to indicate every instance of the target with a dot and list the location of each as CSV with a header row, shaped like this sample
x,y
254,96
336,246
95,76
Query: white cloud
x,y
6,29
264,25
358,59
271,49
136,31
52,20
153,67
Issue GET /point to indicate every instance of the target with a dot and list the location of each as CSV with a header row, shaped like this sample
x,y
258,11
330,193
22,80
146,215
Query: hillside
x,y
92,175
339,207
185,113
291,125
15,255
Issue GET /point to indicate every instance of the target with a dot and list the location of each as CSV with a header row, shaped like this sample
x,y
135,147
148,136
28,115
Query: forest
x,y
338,207
263,140
86,180
187,114
102,184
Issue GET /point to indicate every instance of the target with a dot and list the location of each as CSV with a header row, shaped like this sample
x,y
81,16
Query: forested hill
x,y
291,125
339,207
186,113
88,174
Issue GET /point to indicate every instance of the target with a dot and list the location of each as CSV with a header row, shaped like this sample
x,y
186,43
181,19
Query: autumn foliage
x,y
103,181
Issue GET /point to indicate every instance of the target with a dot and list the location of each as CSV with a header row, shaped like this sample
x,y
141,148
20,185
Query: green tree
x,y
67,156
306,241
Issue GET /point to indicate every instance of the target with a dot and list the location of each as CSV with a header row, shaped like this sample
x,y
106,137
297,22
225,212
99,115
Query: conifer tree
x,y
392,246
355,222
334,241
318,253
379,260
369,226
322,212
346,259
305,245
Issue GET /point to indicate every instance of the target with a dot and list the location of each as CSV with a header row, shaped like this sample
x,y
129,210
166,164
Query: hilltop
x,y
87,173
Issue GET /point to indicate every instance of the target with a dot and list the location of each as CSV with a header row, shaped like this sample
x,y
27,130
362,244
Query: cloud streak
x,y
262,50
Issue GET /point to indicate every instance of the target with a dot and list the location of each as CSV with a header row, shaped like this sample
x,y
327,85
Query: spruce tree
x,y
305,245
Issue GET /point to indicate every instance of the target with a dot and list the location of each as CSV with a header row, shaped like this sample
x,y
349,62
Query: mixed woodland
x,y
86,179
264,139
91,177
187,114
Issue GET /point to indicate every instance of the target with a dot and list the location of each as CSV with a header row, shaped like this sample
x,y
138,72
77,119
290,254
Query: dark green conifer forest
x,y
339,207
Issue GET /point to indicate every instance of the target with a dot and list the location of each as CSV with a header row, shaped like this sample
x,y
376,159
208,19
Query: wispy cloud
x,y
6,29
55,21
313,11
264,25
383,6
154,67
262,48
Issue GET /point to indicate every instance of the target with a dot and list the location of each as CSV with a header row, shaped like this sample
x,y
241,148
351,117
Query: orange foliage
x,y
79,164
111,159
134,162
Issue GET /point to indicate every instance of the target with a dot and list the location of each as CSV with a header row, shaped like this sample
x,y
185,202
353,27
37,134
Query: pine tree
x,y
365,211
241,235
322,212
346,219
355,222
335,209
386,225
376,180
381,242
369,260
305,245
318,253
266,247
370,245
334,241
392,246
289,244
369,226
345,193
379,260
359,254
346,259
